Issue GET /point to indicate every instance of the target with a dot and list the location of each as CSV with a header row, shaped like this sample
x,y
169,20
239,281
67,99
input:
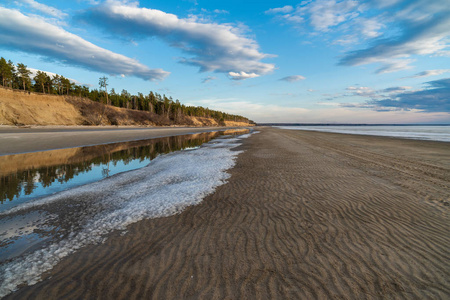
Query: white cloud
x,y
34,35
321,15
363,91
285,9
293,78
369,27
353,88
49,10
391,65
241,75
328,13
51,74
212,47
395,35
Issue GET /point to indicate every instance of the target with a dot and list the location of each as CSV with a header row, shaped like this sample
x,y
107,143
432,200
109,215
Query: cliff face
x,y
17,107
23,108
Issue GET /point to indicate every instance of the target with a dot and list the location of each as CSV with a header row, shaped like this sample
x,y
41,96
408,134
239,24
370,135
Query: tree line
x,y
19,77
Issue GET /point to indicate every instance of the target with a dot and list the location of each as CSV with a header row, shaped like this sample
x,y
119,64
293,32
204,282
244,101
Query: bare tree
x,y
103,83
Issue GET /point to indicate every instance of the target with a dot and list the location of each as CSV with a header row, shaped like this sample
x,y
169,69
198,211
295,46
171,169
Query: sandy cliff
x,y
23,108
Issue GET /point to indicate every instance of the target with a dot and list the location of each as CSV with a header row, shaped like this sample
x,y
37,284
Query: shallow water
x,y
432,133
37,234
24,177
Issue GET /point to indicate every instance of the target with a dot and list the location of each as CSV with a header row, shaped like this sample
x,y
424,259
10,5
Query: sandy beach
x,y
15,140
304,215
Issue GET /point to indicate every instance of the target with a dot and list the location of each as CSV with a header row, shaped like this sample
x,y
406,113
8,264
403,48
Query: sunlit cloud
x,y
211,46
34,35
50,74
361,91
242,75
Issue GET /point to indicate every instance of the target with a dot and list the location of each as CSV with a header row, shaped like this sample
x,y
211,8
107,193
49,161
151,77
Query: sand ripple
x,y
304,216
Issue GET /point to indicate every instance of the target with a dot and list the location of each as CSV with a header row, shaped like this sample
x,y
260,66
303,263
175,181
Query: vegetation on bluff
x,y
19,77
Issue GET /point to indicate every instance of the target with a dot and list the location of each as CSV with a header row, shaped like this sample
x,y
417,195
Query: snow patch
x,y
165,187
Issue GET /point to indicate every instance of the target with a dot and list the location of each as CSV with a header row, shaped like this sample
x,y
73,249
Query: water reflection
x,y
28,176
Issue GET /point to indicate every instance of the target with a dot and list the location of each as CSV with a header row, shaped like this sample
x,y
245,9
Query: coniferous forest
x,y
21,78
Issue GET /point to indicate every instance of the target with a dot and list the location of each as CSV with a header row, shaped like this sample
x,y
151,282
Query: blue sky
x,y
384,61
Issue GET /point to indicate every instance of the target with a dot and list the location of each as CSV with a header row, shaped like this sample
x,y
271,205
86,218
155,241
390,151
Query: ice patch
x,y
84,215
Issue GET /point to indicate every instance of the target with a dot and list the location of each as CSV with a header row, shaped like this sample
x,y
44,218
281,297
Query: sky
x,y
324,61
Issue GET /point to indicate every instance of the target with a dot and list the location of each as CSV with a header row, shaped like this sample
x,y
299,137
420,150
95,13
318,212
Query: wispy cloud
x,y
293,78
396,36
420,38
360,91
221,11
321,14
429,73
208,79
48,10
436,98
395,89
35,35
211,46
326,14
285,9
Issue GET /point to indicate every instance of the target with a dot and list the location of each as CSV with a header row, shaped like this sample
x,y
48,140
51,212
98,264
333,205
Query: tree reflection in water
x,y
22,174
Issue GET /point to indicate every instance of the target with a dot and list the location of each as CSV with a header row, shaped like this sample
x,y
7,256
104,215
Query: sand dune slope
x,y
305,215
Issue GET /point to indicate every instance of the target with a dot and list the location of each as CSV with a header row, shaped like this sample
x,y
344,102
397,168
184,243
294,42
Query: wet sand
x,y
15,140
305,215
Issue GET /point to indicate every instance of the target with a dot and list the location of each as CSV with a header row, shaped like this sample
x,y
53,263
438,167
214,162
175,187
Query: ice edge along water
x,y
165,187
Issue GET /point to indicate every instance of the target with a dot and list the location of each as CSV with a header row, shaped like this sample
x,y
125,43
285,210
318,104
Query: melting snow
x,y
165,187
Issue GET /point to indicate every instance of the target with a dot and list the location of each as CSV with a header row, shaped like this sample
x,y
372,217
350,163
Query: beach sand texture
x,y
305,215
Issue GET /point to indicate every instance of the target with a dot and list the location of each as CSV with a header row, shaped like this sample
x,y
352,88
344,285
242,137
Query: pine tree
x,y
41,80
24,75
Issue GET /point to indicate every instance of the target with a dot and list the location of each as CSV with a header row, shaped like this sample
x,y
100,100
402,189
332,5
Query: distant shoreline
x,y
344,124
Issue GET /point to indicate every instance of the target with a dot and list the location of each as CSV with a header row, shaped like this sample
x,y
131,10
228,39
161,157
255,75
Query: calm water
x,y
24,177
432,133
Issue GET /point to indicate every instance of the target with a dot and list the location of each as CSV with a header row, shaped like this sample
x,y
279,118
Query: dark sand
x,y
304,215
15,140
